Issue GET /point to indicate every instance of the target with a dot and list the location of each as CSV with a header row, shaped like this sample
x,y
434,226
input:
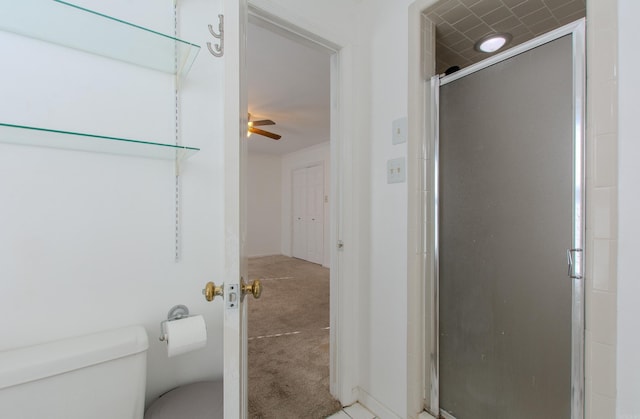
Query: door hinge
x,y
574,263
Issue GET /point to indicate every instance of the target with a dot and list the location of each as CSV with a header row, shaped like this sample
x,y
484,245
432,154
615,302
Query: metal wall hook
x,y
217,50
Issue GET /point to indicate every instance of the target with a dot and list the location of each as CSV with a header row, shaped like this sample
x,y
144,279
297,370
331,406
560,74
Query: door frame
x,y
422,264
343,259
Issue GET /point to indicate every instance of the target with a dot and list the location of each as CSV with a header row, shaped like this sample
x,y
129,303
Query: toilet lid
x,y
201,400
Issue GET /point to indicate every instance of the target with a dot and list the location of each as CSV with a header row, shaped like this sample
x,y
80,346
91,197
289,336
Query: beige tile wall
x,y
601,235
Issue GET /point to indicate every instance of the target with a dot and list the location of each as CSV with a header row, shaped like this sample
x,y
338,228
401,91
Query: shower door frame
x,y
576,273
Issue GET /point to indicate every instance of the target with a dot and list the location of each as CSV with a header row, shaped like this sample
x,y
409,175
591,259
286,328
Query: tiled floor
x,y
355,411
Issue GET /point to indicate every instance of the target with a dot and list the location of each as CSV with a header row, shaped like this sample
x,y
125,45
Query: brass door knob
x,y
254,288
211,290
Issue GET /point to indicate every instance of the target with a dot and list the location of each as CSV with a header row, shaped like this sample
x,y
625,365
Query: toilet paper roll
x,y
185,335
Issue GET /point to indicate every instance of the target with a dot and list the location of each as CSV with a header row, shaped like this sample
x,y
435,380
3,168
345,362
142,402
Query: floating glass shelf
x,y
73,26
23,135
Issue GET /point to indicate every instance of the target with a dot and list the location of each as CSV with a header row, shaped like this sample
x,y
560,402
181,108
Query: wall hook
x,y
217,50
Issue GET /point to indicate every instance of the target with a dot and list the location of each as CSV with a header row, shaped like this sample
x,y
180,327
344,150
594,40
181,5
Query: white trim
x,y
421,68
284,17
344,200
262,255
343,344
264,19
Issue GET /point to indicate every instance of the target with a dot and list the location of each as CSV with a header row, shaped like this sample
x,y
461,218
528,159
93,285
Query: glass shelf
x,y
73,26
23,135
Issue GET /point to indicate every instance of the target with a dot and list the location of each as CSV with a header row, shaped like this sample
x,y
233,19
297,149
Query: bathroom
x,y
89,240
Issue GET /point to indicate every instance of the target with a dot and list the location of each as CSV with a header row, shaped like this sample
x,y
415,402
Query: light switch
x,y
399,129
396,170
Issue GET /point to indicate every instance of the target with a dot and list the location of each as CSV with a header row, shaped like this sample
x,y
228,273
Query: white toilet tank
x,y
97,376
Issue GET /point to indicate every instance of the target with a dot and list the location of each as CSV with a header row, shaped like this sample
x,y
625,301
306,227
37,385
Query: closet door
x,y
308,213
299,197
315,212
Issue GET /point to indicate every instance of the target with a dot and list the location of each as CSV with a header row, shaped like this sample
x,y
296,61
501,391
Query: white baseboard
x,y
261,255
426,415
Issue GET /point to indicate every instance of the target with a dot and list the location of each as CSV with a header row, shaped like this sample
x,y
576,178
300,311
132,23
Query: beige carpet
x,y
289,341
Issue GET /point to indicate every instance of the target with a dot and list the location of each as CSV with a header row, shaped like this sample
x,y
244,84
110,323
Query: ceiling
x,y
289,83
289,79
460,23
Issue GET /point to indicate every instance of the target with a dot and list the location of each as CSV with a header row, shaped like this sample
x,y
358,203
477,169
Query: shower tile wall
x,y
601,237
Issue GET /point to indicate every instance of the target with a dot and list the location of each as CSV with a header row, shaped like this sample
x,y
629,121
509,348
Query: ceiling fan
x,y
253,124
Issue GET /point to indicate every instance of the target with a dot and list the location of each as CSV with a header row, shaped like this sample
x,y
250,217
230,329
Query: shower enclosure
x,y
509,236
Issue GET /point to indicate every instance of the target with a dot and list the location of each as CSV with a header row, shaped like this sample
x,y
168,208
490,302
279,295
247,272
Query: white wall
x,y
628,350
264,205
384,368
318,154
87,240
269,199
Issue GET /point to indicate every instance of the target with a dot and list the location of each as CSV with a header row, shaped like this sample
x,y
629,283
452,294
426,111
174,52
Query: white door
x,y
308,213
235,121
315,214
299,227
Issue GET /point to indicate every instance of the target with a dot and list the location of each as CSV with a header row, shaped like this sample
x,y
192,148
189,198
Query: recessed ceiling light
x,y
492,42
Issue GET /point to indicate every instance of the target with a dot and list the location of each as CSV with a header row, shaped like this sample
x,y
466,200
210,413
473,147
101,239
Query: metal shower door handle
x,y
570,265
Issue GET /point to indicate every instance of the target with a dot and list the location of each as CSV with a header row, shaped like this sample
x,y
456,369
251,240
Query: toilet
x,y
98,376
202,400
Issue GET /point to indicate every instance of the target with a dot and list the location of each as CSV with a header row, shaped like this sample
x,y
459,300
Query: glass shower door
x,y
506,153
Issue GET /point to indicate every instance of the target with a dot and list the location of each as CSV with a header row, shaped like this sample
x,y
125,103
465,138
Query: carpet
x,y
289,341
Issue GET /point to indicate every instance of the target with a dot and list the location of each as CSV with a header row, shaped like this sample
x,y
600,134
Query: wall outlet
x,y
396,170
399,129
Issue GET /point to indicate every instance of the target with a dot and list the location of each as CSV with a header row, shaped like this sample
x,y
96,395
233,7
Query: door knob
x,y
211,290
254,288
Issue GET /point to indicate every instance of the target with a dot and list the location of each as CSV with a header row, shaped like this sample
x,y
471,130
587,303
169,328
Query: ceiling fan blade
x,y
265,133
262,122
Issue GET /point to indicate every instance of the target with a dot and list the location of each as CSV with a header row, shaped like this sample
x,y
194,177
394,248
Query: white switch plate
x,y
396,170
399,129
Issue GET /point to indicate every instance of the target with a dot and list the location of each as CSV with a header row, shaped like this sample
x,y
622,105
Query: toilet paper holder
x,y
177,312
